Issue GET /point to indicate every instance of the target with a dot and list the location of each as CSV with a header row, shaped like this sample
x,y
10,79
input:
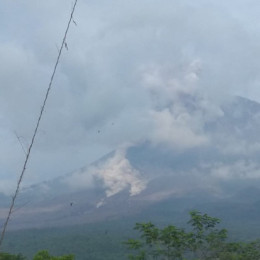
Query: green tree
x,y
6,256
169,242
44,255
207,241
241,251
204,241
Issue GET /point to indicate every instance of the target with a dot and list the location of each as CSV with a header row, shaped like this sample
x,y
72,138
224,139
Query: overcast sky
x,y
126,60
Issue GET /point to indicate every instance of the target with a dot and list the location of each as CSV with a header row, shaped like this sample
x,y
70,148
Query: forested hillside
x,y
107,240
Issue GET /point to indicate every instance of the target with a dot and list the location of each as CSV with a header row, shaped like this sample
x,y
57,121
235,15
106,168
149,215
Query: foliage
x,y
41,255
44,255
97,241
241,251
103,240
6,256
203,242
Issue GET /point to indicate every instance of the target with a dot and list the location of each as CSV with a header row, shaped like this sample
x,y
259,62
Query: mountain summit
x,y
129,180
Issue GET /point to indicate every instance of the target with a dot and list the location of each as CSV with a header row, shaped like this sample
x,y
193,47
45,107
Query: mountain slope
x,y
213,176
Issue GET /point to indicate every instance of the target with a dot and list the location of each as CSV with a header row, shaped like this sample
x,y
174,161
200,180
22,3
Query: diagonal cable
x,y
36,128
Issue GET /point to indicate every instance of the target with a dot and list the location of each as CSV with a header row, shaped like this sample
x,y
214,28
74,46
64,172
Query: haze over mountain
x,y
154,93
129,69
220,170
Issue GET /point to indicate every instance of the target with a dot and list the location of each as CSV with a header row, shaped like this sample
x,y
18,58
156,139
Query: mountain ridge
x,y
130,180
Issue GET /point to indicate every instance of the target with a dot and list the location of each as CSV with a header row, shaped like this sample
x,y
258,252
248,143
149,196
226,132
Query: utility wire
x,y
36,128
19,140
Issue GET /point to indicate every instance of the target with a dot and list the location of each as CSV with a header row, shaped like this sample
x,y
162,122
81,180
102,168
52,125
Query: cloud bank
x,y
135,71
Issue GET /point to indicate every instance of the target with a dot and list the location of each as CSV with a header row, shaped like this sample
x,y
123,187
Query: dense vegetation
x,y
41,255
203,242
97,241
106,240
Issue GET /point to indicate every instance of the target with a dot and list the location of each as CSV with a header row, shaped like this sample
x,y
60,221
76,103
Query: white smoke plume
x,y
116,174
180,106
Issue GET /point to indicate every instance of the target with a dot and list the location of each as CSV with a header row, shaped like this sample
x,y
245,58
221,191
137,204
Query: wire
x,y
36,128
19,140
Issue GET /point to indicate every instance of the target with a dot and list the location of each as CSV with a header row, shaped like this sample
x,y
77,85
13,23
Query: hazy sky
x,y
126,62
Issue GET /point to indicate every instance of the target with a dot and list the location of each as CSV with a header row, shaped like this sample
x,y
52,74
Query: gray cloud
x,y
128,67
240,169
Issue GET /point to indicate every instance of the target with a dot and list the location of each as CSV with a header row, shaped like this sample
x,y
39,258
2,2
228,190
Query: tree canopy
x,y
41,255
203,241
